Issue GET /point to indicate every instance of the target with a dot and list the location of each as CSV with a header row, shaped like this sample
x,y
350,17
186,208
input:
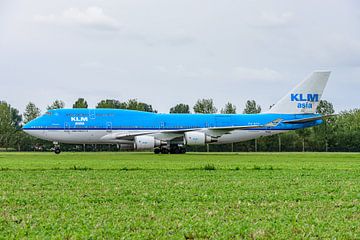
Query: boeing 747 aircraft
x,y
169,133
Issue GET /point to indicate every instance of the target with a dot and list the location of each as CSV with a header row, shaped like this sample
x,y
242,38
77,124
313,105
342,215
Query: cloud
x,y
92,65
93,17
170,36
270,19
339,50
255,74
228,50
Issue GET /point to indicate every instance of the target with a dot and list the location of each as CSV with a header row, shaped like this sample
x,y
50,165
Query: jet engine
x,y
198,138
147,142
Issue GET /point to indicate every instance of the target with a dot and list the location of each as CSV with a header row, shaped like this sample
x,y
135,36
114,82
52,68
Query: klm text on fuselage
x,y
304,100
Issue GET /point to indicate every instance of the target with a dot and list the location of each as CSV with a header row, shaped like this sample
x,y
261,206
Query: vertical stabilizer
x,y
305,97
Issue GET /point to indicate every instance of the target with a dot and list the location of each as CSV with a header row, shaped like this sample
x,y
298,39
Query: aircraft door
x,y
109,127
92,113
66,127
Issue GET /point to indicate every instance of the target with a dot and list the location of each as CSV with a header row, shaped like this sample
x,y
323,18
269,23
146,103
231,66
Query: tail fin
x,y
305,97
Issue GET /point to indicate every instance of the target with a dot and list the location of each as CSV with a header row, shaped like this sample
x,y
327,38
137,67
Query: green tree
x,y
131,104
56,105
325,108
80,103
111,103
205,106
303,134
180,108
346,135
325,130
229,109
134,104
31,112
10,120
251,107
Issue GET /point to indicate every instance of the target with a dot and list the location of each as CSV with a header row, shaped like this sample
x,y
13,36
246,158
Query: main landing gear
x,y
57,149
174,149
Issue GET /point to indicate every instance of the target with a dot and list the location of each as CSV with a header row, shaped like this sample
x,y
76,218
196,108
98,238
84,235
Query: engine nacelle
x,y
146,142
197,138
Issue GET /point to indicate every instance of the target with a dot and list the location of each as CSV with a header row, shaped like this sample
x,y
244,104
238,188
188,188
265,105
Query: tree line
x,y
338,133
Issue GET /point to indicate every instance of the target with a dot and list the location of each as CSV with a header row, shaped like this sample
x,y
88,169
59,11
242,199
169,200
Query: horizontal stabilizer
x,y
306,120
273,123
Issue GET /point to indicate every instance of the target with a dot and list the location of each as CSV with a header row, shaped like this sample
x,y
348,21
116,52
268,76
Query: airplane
x,y
170,133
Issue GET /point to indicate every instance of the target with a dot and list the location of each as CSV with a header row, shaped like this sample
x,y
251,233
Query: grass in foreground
x,y
146,196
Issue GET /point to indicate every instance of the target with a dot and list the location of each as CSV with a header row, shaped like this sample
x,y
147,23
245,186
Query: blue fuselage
x,y
104,126
117,119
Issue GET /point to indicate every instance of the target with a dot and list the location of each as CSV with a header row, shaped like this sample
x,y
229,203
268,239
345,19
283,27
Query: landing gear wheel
x,y
176,151
182,150
157,150
164,151
57,150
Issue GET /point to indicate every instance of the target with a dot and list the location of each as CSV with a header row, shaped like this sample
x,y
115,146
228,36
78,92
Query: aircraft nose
x,y
27,127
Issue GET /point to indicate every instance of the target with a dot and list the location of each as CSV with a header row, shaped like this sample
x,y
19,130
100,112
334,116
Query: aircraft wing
x,y
306,120
123,136
174,133
171,134
231,128
165,133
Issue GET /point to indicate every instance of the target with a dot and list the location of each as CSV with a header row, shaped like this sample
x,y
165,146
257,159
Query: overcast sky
x,y
167,52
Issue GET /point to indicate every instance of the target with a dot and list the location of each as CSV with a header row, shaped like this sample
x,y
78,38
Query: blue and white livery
x,y
170,132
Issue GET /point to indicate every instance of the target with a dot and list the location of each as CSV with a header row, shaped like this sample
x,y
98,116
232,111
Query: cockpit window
x,y
48,113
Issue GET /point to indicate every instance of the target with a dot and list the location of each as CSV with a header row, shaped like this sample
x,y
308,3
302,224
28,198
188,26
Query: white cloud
x,y
93,17
92,64
271,19
228,50
255,74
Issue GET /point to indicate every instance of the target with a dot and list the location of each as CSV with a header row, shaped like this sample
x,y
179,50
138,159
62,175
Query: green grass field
x,y
192,196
